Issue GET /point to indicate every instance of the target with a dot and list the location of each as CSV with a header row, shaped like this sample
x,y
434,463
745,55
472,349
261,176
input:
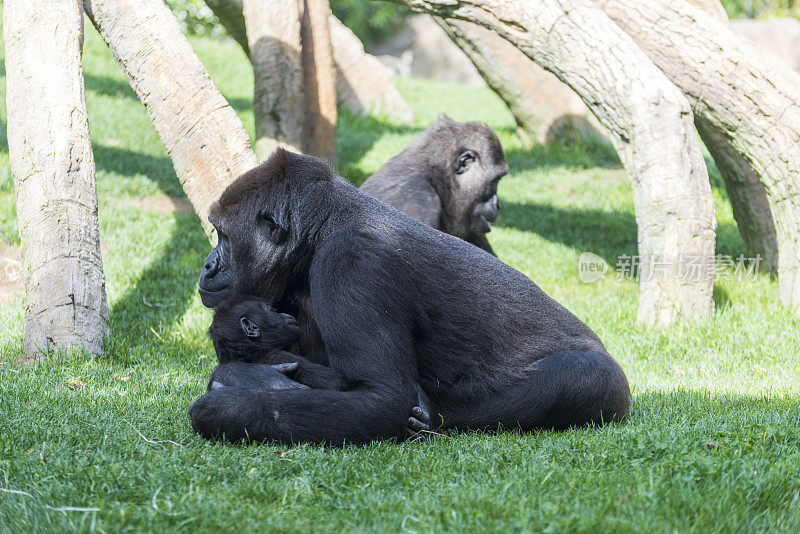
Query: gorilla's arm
x,y
366,327
254,376
311,374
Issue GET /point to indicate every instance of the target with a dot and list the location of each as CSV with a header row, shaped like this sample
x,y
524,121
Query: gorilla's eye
x,y
463,161
250,328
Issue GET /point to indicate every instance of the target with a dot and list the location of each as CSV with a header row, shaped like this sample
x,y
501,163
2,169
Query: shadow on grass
x,y
3,137
103,85
166,288
721,297
609,234
127,162
572,152
240,105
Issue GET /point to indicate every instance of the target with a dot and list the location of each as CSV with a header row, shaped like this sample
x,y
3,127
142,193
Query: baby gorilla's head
x,y
244,328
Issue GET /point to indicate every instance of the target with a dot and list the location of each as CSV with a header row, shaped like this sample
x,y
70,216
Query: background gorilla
x,y
391,302
447,178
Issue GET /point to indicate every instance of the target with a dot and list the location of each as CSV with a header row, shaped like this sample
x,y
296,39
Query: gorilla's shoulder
x,y
357,241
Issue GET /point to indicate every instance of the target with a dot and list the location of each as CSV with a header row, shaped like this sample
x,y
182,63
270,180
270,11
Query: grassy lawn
x,y
712,442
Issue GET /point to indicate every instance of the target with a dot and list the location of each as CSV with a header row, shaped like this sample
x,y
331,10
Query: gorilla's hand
x,y
256,376
419,424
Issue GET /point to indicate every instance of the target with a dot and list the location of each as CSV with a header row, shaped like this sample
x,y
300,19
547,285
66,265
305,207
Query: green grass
x,y
712,442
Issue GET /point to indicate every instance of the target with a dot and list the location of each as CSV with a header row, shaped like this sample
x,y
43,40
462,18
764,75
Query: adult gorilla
x,y
391,302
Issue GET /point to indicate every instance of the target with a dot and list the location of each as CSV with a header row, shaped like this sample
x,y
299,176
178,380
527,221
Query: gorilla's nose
x,y
211,268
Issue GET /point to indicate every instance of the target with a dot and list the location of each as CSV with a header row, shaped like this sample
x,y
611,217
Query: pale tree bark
x,y
362,83
745,190
201,132
543,107
650,123
273,33
713,7
745,93
319,81
54,180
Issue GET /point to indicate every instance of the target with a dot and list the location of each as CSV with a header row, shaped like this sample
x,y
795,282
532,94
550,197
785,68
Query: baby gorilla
x,y
252,342
247,329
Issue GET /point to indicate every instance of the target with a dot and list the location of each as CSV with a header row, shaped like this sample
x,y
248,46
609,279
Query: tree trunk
x,y
745,190
650,122
543,107
273,33
319,81
200,131
53,168
747,195
362,83
713,7
745,93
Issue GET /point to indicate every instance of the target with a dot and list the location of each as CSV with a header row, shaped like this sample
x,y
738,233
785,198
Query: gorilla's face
x,y
251,245
217,280
245,325
485,210
258,250
478,169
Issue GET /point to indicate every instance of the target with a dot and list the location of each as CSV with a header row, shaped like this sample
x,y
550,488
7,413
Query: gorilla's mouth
x,y
212,298
486,213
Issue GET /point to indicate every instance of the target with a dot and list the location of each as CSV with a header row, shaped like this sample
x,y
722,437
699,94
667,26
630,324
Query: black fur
x,y
391,302
447,178
254,376
248,329
252,341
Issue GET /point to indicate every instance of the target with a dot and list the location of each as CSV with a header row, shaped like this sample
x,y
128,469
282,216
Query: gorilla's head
x,y
266,223
244,327
471,162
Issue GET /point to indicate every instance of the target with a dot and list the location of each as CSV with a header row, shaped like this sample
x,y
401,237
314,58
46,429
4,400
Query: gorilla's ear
x,y
276,232
250,328
266,218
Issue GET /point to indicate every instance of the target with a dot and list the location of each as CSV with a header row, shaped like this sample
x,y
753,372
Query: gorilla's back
x,y
470,296
405,191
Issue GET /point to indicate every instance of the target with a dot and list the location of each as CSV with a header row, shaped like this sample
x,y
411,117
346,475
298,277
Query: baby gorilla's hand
x,y
255,376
